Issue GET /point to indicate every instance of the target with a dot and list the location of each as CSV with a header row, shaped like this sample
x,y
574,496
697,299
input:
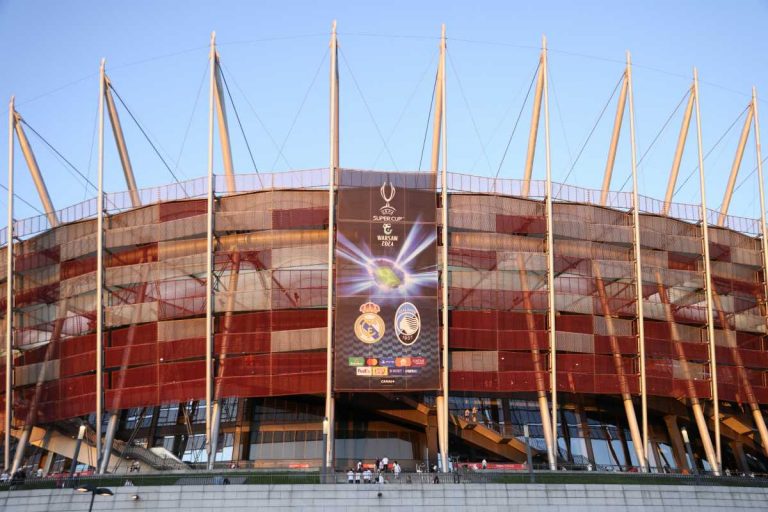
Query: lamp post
x,y
688,449
101,491
324,469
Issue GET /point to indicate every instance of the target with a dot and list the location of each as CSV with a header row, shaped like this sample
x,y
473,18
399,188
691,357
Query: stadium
x,y
214,322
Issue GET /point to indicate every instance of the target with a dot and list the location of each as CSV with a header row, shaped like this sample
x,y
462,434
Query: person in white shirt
x,y
5,476
385,463
397,470
367,476
350,476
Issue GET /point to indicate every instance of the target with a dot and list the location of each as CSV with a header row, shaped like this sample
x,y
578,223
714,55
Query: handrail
x,y
317,179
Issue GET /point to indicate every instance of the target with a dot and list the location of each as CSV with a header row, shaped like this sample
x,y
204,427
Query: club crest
x,y
407,323
369,326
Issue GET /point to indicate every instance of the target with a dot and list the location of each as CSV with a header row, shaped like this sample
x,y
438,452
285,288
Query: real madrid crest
x,y
407,323
369,326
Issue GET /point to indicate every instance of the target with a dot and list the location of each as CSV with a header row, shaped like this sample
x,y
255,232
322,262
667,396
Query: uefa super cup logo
x,y
387,209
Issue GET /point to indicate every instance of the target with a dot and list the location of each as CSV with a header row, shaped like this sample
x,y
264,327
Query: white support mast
x,y
100,267
442,410
535,116
209,266
9,282
736,166
221,116
614,140
638,274
681,139
756,413
330,405
34,170
708,283
122,148
550,260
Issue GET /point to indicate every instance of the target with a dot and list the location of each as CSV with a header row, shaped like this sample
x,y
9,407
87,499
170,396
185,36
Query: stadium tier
x,y
270,304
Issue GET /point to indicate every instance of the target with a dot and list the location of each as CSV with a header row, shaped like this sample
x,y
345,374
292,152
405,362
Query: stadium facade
x,y
195,324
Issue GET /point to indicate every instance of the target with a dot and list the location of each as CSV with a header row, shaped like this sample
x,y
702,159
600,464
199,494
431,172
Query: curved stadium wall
x,y
270,286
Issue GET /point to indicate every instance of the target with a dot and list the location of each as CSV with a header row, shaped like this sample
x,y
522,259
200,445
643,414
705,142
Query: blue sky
x,y
157,56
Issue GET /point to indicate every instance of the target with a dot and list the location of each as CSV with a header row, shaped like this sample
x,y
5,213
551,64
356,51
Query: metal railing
x,y
577,474
315,179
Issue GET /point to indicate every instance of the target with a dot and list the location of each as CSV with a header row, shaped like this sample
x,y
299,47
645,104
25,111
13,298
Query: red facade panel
x,y
176,210
520,224
300,218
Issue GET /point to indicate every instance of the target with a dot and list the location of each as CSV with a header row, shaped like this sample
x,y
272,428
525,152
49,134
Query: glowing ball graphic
x,y
387,274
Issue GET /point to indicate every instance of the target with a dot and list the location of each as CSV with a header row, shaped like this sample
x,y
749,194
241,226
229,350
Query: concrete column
x,y
586,434
566,436
21,446
114,419
741,458
47,463
624,447
442,431
676,440
654,446
432,447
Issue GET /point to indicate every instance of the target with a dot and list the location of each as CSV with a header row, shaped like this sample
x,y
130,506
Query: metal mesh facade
x,y
270,284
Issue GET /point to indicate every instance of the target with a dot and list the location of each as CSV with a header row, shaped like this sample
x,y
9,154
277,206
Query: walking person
x,y
396,468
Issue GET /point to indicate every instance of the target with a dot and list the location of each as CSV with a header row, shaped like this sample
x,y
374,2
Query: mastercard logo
x,y
371,361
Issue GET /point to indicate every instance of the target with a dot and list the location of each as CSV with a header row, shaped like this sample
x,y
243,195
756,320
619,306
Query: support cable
x,y
368,108
725,133
517,121
64,159
296,116
744,180
90,151
258,118
503,118
658,134
471,116
146,136
405,107
591,133
23,200
58,153
191,117
551,79
240,124
429,117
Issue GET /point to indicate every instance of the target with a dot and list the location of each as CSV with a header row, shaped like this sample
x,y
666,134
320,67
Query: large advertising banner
x,y
386,328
